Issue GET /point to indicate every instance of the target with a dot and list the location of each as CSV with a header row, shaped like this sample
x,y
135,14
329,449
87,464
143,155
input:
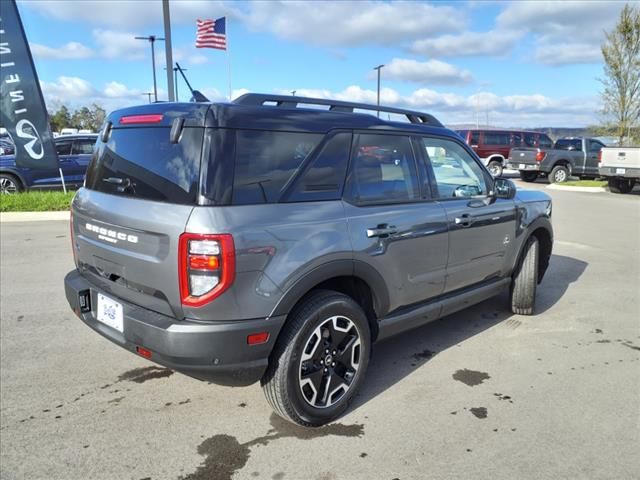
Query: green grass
x,y
36,201
584,183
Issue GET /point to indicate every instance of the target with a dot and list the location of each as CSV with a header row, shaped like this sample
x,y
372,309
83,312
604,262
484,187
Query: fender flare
x,y
540,222
333,269
495,156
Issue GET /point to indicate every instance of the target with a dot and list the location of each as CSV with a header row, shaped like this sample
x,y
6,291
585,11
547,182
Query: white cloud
x,y
352,23
430,72
494,43
567,53
120,45
68,51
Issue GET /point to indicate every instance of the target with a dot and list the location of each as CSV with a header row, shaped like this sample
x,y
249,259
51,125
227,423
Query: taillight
x,y
599,157
147,118
540,155
207,264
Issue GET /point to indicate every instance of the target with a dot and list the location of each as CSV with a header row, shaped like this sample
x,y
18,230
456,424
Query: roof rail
x,y
288,101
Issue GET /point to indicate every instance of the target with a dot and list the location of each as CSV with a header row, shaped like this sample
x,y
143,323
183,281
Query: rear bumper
x,y
524,166
621,172
210,351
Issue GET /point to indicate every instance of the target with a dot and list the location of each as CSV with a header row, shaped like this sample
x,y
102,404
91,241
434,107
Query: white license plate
x,y
522,166
109,312
621,170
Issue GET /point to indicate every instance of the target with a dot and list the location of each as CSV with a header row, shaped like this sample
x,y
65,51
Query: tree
x,y
60,119
621,94
99,116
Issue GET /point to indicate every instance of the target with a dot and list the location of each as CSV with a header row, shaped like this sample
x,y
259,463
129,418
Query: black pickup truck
x,y
568,157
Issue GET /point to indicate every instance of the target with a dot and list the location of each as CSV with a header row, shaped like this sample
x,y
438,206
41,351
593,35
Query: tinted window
x,y
475,138
324,177
529,140
383,170
81,147
143,163
545,142
63,148
265,161
567,143
595,146
516,139
457,174
497,138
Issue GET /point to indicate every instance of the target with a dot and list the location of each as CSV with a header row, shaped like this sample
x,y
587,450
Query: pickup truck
x,y
568,157
621,167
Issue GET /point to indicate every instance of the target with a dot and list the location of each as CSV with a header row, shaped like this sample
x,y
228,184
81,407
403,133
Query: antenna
x,y
196,95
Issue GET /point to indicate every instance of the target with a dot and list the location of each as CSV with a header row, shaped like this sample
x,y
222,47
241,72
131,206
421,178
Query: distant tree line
x,y
84,118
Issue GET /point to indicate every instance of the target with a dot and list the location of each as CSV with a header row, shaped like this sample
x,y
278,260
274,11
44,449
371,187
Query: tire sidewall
x,y
554,172
336,306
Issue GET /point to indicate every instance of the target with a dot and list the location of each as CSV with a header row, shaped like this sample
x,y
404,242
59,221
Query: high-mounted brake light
x,y
207,264
540,155
147,118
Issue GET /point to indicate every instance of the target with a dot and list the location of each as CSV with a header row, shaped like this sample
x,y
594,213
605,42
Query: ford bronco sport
x,y
275,238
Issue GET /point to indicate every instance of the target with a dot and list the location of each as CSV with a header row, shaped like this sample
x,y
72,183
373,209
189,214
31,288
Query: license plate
x,y
522,166
621,170
109,312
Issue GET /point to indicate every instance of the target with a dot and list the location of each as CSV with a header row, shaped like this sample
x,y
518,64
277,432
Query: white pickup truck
x,y
621,167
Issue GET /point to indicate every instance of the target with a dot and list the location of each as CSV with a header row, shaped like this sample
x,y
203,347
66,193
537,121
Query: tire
x,y
522,294
559,174
528,176
10,184
310,401
620,185
495,168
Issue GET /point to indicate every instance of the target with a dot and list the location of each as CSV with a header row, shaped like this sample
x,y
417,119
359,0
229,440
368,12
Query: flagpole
x,y
228,58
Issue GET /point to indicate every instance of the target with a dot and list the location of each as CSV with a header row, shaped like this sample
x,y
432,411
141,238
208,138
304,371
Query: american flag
x,y
212,34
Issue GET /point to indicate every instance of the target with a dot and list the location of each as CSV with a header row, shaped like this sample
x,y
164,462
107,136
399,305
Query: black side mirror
x,y
504,188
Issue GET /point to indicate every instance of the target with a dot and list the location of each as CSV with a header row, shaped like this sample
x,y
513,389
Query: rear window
x,y
545,142
567,143
143,163
265,161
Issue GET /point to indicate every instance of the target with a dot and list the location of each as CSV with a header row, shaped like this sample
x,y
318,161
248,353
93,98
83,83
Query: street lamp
x,y
378,68
175,81
293,92
148,94
152,40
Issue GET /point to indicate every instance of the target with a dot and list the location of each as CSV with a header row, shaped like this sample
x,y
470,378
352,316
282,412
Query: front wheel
x,y
620,185
522,294
319,361
495,168
528,176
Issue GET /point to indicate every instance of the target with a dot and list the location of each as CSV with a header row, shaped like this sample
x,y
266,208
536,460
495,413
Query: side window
x,y
497,138
516,139
265,161
457,174
530,140
383,169
81,147
545,142
63,148
475,138
324,177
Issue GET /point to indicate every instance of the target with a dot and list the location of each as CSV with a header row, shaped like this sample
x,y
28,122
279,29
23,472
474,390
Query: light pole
x,y
293,92
152,40
175,80
378,68
148,94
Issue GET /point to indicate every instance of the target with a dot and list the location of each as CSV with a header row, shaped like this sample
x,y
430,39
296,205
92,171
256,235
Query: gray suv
x,y
275,238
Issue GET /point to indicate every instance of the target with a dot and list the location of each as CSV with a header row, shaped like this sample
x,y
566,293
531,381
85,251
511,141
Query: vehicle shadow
x,y
395,358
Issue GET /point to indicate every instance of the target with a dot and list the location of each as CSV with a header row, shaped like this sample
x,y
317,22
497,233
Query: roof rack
x,y
288,101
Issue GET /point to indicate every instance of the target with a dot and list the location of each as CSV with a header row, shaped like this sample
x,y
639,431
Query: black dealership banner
x,y
22,109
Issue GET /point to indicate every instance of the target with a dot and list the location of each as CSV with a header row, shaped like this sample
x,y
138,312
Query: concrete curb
x,y
9,217
555,186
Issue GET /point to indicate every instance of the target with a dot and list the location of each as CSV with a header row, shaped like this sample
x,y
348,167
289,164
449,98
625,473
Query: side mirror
x,y
504,188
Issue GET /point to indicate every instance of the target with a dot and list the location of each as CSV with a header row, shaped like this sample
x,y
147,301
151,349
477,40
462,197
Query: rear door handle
x,y
382,230
464,220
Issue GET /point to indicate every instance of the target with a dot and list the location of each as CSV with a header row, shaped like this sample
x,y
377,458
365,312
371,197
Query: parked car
x,y
569,156
493,146
264,241
74,153
621,167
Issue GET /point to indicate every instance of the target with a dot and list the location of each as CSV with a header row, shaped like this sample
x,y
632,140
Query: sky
x,y
511,64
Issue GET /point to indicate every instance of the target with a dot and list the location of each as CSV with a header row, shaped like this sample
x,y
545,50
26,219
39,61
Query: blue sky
x,y
518,64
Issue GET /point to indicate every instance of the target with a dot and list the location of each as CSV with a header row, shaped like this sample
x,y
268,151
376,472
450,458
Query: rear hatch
x,y
140,189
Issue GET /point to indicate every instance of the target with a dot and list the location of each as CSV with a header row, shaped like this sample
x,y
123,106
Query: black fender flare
x,y
333,269
540,222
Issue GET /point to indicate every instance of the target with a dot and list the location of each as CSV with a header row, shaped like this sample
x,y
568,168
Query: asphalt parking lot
x,y
480,394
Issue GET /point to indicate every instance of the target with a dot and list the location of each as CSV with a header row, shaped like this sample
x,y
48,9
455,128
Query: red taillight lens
x,y
258,338
207,264
600,156
148,118
540,155
143,352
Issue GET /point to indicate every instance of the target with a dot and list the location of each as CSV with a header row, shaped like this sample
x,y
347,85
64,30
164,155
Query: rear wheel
x,y
522,294
495,168
528,176
9,184
559,174
621,185
319,361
